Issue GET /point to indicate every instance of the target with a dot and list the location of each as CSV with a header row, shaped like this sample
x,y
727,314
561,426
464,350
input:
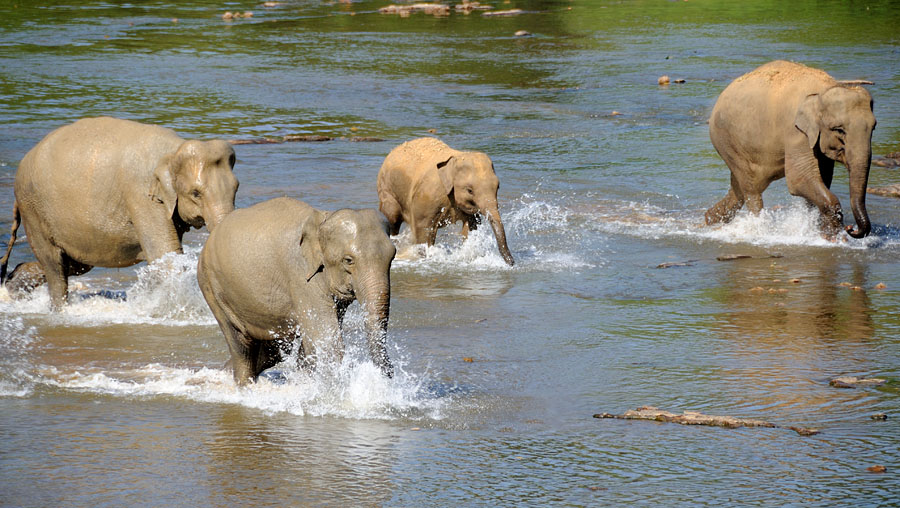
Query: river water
x,y
499,369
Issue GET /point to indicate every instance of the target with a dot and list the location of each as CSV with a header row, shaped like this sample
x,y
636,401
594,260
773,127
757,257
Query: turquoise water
x,y
126,403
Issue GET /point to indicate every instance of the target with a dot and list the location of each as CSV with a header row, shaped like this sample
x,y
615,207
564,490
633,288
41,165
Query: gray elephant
x,y
427,184
787,120
109,192
281,270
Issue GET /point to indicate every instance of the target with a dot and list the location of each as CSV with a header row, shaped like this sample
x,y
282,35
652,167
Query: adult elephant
x,y
110,192
427,184
281,270
787,120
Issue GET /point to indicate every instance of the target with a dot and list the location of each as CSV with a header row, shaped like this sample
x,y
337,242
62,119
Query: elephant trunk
x,y
493,215
214,216
374,295
858,163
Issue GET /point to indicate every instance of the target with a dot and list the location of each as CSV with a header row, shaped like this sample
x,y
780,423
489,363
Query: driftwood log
x,y
697,418
308,138
856,382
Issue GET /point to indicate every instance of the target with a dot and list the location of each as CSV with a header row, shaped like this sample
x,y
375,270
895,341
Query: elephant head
x,y
197,181
840,121
352,251
469,180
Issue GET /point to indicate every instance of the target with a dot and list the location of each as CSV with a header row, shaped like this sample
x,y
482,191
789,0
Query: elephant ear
x,y
310,247
447,172
162,186
807,119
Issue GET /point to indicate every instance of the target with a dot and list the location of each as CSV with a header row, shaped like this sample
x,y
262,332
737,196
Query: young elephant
x,y
283,270
788,120
105,192
427,184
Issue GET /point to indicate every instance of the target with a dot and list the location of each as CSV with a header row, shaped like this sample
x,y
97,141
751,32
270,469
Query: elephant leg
x,y
53,262
469,224
725,210
320,337
754,203
393,212
805,182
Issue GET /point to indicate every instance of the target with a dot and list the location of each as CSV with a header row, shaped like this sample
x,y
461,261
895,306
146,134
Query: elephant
x,y
282,270
23,279
788,120
427,184
105,192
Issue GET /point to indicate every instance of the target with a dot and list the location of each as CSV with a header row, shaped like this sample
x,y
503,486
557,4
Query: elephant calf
x,y
787,120
427,184
110,192
283,270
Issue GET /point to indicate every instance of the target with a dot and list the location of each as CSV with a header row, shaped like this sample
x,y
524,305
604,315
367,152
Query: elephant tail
x,y
17,219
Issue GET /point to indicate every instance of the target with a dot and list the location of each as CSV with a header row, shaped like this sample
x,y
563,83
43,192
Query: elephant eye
x,y
348,260
195,193
838,130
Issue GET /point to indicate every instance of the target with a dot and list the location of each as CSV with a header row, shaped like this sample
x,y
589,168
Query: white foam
x,y
539,234
354,389
164,293
791,225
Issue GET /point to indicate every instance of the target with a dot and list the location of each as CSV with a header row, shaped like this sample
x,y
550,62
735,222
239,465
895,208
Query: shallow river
x,y
126,403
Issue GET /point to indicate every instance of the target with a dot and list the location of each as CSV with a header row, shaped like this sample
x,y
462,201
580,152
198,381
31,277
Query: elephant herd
x,y
112,193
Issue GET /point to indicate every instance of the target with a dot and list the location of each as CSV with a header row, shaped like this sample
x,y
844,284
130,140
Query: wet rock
x,y
891,191
468,359
663,80
365,139
508,12
228,15
256,141
732,257
679,81
315,138
675,263
523,33
796,281
697,418
855,382
879,417
804,431
271,4
467,7
876,469
434,9
880,285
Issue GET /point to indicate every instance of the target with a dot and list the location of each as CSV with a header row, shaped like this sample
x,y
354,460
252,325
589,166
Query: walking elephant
x,y
787,120
281,270
427,184
110,192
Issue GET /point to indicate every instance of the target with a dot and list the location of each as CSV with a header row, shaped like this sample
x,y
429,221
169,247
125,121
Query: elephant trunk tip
x,y
860,231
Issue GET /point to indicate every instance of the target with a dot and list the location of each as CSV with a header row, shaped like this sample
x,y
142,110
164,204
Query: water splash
x,y
541,236
165,293
791,225
16,343
354,389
